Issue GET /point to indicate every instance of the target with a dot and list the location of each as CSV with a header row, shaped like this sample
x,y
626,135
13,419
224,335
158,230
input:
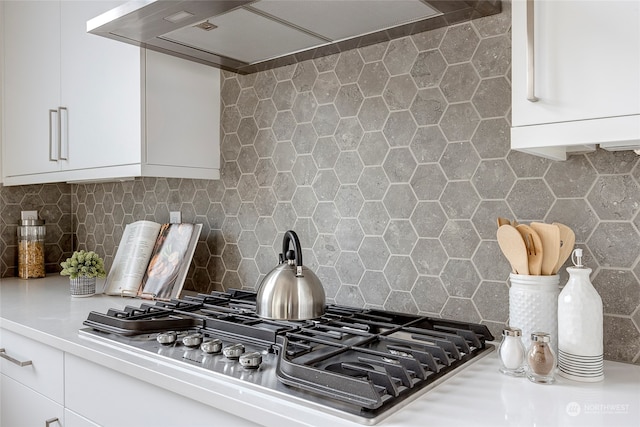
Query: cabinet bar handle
x,y
63,129
4,355
531,70
50,421
53,133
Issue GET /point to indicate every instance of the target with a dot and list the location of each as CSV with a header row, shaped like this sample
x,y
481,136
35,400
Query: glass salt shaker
x,y
541,359
512,352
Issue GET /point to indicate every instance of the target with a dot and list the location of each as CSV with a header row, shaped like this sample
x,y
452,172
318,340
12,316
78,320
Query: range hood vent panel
x,y
254,35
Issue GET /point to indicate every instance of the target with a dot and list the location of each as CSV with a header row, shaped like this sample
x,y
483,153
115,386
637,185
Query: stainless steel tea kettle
x,y
290,291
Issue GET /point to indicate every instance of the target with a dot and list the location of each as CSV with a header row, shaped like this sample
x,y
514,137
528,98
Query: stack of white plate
x,y
580,368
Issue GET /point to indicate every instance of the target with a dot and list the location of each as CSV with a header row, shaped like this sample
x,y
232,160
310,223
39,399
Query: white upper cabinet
x,y
583,88
80,107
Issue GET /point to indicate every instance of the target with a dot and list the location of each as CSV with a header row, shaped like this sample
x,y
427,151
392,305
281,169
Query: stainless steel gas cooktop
x,y
359,364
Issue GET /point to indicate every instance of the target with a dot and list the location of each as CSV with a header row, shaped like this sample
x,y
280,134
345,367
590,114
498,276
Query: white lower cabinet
x,y
96,395
71,419
24,407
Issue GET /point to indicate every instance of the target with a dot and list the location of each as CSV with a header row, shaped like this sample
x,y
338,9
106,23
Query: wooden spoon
x,y
550,237
513,248
567,242
534,248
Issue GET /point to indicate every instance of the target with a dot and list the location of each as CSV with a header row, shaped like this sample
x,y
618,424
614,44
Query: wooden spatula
x,y
513,248
567,242
550,237
534,248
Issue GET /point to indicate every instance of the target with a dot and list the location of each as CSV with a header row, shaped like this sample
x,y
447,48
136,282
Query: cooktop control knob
x,y
233,351
211,346
167,338
251,360
192,340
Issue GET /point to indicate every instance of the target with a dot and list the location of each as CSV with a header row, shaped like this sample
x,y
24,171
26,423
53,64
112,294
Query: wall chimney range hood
x,y
247,36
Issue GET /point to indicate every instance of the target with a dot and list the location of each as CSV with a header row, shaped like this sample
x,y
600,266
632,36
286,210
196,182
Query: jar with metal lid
x,y
541,359
31,236
512,352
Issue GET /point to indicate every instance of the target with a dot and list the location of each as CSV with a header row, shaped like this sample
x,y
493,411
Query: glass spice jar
x,y
31,236
512,352
541,359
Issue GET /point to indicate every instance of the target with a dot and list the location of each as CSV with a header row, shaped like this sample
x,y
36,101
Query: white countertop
x,y
479,395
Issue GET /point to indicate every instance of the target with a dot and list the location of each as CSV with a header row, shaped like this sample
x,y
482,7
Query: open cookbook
x,y
152,260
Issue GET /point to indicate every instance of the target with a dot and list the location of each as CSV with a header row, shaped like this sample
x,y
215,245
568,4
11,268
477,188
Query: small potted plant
x,y
82,268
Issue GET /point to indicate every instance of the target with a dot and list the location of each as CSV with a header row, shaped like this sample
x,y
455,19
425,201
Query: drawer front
x,y
33,364
21,406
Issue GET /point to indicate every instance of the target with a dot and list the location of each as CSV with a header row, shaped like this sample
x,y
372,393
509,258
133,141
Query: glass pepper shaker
x,y
541,359
512,352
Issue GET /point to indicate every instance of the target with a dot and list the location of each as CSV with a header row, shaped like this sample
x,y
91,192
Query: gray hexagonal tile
x,y
304,107
428,69
401,302
399,165
619,289
487,297
429,256
247,188
247,216
429,39
284,186
326,87
307,232
349,66
230,91
373,218
348,100
284,95
326,249
231,202
349,268
400,56
493,97
265,172
265,143
459,200
304,76
399,92
265,114
460,278
348,133
304,201
571,178
428,219
230,147
527,165
429,294
247,102
373,148
493,57
348,167
428,106
400,237
284,156
231,257
459,82
231,229
373,79
349,234
492,138
284,216
374,253
266,259
265,201
248,244
247,159
348,200
399,128
611,243
326,217
459,43
400,273
576,214
248,273
265,84
616,348
459,239
400,201
530,199
615,197
428,144
350,296
326,151
326,185
485,217
265,230
284,125
428,182
493,179
459,122
326,120
613,162
373,113
304,170
374,287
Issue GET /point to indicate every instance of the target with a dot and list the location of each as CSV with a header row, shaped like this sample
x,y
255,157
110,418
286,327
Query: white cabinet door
x,y
118,400
31,86
586,75
101,89
21,406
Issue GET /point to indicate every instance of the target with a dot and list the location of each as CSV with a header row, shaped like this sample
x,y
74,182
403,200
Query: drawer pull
x,y
50,421
4,355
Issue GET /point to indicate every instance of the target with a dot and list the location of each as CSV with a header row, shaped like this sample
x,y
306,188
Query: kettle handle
x,y
291,236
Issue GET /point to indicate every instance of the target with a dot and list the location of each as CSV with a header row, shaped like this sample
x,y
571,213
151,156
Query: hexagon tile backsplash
x,y
392,163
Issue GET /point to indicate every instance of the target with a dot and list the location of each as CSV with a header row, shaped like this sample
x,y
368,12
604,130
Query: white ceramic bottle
x,y
580,342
